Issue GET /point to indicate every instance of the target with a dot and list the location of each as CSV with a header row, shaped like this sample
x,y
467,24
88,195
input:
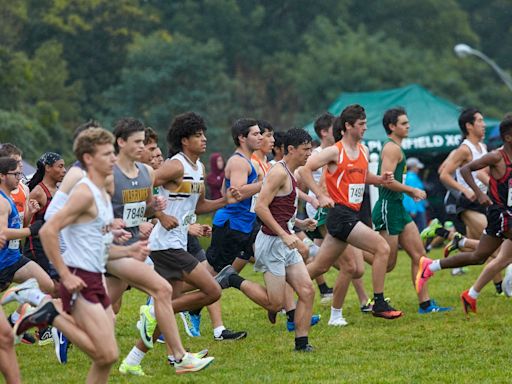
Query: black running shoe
x,y
306,348
228,334
45,336
385,311
39,317
26,338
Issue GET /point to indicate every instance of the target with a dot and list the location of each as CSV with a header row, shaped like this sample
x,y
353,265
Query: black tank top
x,y
500,191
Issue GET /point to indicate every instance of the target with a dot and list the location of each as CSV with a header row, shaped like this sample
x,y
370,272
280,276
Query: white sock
x,y
35,296
152,311
435,266
218,331
313,250
336,313
473,293
134,357
462,242
15,316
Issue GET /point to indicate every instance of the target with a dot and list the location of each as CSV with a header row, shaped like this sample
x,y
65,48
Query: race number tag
x,y
133,213
253,203
14,244
509,199
189,218
355,193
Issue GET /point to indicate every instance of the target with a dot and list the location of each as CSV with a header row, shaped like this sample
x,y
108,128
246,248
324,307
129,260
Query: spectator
x,y
216,175
416,209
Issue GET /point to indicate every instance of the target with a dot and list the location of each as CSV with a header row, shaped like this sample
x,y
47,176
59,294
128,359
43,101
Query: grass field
x,y
435,348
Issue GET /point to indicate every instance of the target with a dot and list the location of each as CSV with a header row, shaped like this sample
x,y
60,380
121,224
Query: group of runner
x,y
121,217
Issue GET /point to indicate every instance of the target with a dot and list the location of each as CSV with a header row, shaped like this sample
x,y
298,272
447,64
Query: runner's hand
x,y
387,177
121,235
33,206
484,200
307,224
72,283
325,201
139,250
418,194
168,222
470,194
159,203
195,230
233,195
291,241
207,230
314,202
145,230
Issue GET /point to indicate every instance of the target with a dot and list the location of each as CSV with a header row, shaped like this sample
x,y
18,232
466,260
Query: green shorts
x,y
321,218
390,216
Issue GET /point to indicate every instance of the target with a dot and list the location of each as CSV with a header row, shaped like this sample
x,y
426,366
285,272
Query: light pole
x,y
463,50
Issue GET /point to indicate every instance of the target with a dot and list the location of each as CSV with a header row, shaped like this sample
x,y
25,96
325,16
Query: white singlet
x,y
476,154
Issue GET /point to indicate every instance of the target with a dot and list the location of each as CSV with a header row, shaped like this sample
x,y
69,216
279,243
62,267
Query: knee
x,y
383,249
107,357
307,291
478,258
164,291
391,266
358,272
6,338
215,293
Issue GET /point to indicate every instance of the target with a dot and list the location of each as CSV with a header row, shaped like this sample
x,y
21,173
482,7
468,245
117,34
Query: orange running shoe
x,y
424,273
468,303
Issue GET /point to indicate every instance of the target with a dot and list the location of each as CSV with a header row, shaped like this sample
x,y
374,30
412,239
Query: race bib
x,y
355,193
189,218
15,244
253,203
509,199
133,213
291,223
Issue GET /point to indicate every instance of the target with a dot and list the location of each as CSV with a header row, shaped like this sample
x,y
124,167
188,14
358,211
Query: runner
x,y
346,175
499,213
276,245
390,218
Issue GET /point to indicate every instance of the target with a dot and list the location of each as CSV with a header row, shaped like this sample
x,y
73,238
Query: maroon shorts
x,y
95,291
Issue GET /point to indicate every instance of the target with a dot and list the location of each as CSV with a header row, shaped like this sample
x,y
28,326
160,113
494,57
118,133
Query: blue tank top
x,y
239,214
10,253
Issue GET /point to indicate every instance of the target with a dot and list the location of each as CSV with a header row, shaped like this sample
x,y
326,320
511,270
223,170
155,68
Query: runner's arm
x,y
446,171
10,233
238,173
316,161
488,160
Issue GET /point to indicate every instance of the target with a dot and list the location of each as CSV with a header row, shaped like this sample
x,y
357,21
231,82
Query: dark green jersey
x,y
399,174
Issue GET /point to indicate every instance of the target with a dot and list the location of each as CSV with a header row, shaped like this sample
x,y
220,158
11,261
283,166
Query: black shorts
x,y
228,244
35,252
499,221
341,220
195,249
7,274
365,213
172,263
463,204
450,207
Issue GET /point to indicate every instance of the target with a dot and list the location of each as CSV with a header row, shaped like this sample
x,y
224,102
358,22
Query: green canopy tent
x,y
434,127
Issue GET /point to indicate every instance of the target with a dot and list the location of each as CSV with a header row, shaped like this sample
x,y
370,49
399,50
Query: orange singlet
x,y
346,184
265,167
20,199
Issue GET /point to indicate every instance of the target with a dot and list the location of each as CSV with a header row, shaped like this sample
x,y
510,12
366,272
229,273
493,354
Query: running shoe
x,y
366,308
448,225
506,285
147,326
223,276
433,307
272,317
135,370
190,363
26,338
457,271
337,322
228,334
19,292
326,297
191,323
306,348
34,317
161,339
45,336
386,311
430,231
290,325
171,360
424,273
468,303
453,244
61,345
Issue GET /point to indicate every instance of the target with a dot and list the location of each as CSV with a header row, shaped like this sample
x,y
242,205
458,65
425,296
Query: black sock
x,y
290,315
498,287
196,312
301,342
425,304
235,280
444,233
323,288
378,298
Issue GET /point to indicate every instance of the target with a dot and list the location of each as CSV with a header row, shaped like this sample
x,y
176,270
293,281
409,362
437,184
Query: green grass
x,y
442,347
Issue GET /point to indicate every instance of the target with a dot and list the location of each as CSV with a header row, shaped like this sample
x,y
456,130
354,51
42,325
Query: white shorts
x,y
273,256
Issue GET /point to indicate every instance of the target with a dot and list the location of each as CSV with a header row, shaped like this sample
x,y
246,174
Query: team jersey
x,y
399,175
181,204
265,166
20,199
10,253
500,190
476,153
241,215
346,184
284,208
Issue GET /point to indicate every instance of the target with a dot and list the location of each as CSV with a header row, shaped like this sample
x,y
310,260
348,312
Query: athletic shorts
x,y
95,291
273,256
172,263
341,220
7,274
463,204
365,213
228,244
37,254
195,249
390,216
499,221
450,207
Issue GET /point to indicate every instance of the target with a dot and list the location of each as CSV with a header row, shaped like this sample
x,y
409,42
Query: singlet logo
x,y
191,187
135,195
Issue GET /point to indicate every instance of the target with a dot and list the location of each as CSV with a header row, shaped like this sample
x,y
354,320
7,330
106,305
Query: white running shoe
x,y
507,281
191,363
19,292
337,322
